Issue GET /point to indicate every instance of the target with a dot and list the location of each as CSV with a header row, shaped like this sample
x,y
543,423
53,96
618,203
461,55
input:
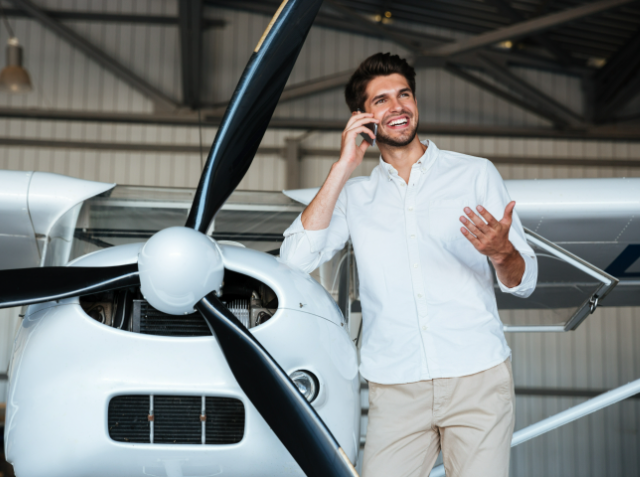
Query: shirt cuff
x,y
317,238
529,277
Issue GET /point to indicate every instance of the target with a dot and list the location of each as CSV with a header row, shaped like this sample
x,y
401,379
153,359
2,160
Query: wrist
x,y
341,170
505,256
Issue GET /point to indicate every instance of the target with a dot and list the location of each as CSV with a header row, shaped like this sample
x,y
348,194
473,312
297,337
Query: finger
x,y
361,129
362,121
475,219
364,145
491,221
470,237
471,226
360,118
508,213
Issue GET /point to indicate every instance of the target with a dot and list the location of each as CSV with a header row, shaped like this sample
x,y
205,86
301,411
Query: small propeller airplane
x,y
137,360
177,270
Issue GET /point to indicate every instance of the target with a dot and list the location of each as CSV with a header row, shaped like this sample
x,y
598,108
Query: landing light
x,y
307,384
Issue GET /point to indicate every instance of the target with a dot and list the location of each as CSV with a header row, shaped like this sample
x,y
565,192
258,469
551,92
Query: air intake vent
x,y
129,419
176,419
149,321
225,420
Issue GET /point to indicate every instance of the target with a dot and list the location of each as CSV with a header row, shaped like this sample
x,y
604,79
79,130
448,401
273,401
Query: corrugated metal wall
x,y
601,354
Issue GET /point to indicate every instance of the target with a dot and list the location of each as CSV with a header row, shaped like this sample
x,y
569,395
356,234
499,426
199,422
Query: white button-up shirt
x,y
428,303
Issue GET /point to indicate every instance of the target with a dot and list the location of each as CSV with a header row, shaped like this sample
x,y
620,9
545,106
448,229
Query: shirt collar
x,y
424,163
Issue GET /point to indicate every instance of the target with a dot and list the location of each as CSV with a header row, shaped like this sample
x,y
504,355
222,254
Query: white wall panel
x,y
600,354
64,78
314,170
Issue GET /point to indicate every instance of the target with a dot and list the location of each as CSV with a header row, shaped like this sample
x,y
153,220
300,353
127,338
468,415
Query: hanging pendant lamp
x,y
14,78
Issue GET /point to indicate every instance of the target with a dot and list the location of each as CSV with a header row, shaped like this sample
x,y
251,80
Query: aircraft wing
x,y
38,211
597,220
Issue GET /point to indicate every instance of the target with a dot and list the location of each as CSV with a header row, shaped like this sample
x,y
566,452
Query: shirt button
x,y
410,207
403,184
425,328
413,236
415,265
419,295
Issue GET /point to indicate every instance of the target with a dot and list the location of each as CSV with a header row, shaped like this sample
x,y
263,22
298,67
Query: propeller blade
x,y
277,399
26,286
251,107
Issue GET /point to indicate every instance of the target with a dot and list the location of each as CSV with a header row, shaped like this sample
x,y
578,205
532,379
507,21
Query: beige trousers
x,y
471,418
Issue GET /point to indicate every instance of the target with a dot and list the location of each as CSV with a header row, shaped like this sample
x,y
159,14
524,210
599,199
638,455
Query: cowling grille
x,y
149,321
160,419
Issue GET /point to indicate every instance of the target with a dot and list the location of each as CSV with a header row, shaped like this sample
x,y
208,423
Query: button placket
x,y
415,268
414,253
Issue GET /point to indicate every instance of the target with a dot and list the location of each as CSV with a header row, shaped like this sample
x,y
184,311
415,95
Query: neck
x,y
402,158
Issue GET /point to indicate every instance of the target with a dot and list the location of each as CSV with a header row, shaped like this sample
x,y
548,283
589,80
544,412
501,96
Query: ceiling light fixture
x,y
14,78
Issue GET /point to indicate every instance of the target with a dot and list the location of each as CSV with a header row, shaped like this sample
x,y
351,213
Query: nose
x,y
394,105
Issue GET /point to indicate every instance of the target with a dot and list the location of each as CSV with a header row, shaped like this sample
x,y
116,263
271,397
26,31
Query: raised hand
x,y
351,154
490,238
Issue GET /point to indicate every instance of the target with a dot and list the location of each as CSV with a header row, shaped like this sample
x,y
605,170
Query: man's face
x,y
390,100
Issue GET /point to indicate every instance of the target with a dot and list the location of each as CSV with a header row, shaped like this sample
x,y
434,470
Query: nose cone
x,y
178,266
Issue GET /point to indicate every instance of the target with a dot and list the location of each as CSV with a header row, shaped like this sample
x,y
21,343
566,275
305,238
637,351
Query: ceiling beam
x,y
332,21
372,26
563,116
190,14
104,17
299,90
618,82
505,8
161,100
190,119
525,28
405,37
496,91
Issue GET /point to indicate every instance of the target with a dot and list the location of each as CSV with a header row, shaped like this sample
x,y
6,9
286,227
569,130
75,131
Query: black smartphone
x,y
373,127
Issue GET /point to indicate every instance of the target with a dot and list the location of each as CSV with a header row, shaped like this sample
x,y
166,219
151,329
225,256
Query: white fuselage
x,y
66,367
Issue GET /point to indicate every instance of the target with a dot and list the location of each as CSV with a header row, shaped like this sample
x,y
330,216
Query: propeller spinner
x,y
180,265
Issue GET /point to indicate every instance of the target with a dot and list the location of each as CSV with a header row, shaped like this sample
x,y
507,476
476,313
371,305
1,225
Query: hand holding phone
x,y
373,127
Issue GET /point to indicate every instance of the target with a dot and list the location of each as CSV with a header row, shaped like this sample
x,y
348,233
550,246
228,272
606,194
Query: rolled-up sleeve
x,y
495,201
307,249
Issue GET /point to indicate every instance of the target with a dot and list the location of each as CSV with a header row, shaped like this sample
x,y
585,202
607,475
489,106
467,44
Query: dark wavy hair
x,y
380,64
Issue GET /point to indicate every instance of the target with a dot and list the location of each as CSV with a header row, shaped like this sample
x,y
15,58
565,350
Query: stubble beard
x,y
402,141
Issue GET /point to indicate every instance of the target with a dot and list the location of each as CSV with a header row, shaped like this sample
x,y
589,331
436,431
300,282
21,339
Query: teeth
x,y
398,121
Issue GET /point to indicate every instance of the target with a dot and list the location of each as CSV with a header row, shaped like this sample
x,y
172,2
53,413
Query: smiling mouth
x,y
398,123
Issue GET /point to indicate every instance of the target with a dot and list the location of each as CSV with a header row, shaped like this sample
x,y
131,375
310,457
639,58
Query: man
x,y
422,226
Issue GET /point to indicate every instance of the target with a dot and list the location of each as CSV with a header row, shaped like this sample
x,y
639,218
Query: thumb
x,y
508,212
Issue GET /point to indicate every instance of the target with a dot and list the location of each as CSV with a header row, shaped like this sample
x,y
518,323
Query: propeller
x,y
180,268
18,287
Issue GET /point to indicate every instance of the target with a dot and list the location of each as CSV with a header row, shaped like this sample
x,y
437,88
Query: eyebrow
x,y
375,98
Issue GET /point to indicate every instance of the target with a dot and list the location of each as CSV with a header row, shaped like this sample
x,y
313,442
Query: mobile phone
x,y
373,127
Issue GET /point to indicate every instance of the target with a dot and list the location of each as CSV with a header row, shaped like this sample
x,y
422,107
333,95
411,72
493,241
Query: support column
x,y
292,156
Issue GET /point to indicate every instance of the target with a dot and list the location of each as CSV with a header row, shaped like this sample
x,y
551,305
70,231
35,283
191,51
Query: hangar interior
x,y
132,92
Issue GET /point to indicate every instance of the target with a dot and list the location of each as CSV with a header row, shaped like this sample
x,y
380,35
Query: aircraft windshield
x,y
130,214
